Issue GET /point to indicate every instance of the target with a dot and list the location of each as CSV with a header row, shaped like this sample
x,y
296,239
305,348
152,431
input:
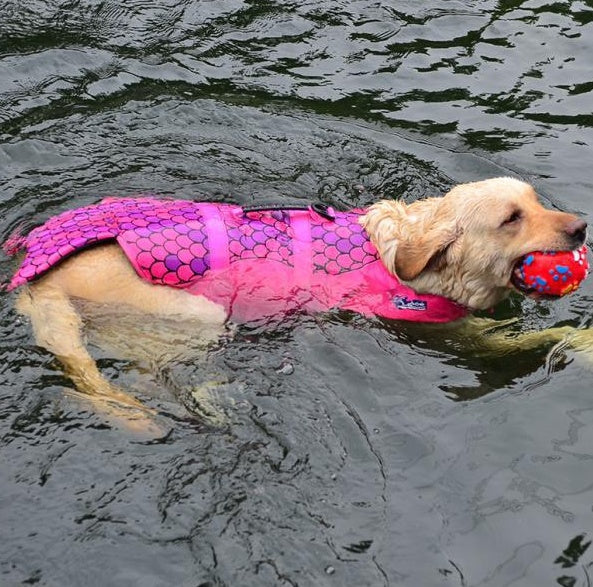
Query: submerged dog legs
x,y
58,328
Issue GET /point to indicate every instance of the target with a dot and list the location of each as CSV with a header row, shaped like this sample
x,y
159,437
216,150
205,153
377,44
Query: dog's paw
x,y
130,415
207,402
581,342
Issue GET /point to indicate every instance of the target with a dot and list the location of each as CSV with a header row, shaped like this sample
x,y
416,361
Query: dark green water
x,y
357,452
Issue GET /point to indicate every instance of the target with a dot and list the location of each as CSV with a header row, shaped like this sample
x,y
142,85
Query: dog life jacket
x,y
257,264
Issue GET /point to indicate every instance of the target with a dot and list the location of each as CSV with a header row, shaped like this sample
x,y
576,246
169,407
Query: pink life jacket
x,y
257,264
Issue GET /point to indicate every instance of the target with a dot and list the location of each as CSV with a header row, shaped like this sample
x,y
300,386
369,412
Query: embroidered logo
x,y
403,303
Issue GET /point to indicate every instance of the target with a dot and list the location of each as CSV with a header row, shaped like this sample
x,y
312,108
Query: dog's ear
x,y
422,251
411,237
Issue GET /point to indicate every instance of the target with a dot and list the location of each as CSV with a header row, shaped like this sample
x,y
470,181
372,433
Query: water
x,y
356,452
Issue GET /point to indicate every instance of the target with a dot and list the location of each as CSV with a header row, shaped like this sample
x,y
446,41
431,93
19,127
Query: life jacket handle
x,y
323,210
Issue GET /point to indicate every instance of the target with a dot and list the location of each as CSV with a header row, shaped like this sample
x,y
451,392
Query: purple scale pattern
x,y
170,237
262,235
167,240
62,235
172,248
340,245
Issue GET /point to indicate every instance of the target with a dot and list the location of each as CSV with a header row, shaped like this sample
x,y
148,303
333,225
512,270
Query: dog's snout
x,y
577,230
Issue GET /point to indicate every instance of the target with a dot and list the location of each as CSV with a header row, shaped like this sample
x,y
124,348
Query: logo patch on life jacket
x,y
403,303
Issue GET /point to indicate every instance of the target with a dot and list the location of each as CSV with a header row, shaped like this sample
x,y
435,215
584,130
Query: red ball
x,y
551,273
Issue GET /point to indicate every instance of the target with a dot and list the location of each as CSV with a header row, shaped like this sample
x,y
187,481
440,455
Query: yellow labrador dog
x,y
447,255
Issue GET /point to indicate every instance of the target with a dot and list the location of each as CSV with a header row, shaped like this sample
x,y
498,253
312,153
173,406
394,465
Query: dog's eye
x,y
512,218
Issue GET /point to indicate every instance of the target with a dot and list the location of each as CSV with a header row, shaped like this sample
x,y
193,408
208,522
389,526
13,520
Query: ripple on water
x,y
354,465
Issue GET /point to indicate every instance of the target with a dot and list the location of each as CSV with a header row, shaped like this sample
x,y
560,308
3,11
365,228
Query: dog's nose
x,y
577,229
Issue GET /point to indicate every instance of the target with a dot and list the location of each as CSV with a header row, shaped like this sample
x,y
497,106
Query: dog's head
x,y
465,245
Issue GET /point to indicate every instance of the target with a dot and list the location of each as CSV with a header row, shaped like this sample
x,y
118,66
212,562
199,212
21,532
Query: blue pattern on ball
x,y
539,283
554,273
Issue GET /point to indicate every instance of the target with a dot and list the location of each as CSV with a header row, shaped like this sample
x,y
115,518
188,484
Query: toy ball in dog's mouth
x,y
550,273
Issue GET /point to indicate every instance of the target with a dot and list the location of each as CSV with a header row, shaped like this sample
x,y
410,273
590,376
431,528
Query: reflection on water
x,y
350,454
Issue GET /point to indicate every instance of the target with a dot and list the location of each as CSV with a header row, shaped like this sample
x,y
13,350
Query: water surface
x,y
356,452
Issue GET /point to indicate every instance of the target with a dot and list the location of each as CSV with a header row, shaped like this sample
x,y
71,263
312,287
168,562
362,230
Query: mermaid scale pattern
x,y
262,235
164,233
168,242
61,236
341,245
254,263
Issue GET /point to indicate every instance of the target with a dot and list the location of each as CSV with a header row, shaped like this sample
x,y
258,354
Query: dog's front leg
x,y
491,337
581,341
58,328
494,337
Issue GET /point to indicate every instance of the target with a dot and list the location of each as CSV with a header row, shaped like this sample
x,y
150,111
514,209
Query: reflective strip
x,y
218,240
302,246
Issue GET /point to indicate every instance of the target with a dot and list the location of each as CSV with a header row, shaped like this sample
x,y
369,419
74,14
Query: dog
x,y
437,259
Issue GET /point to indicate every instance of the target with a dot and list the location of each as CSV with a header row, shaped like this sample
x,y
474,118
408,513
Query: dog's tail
x,y
14,243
